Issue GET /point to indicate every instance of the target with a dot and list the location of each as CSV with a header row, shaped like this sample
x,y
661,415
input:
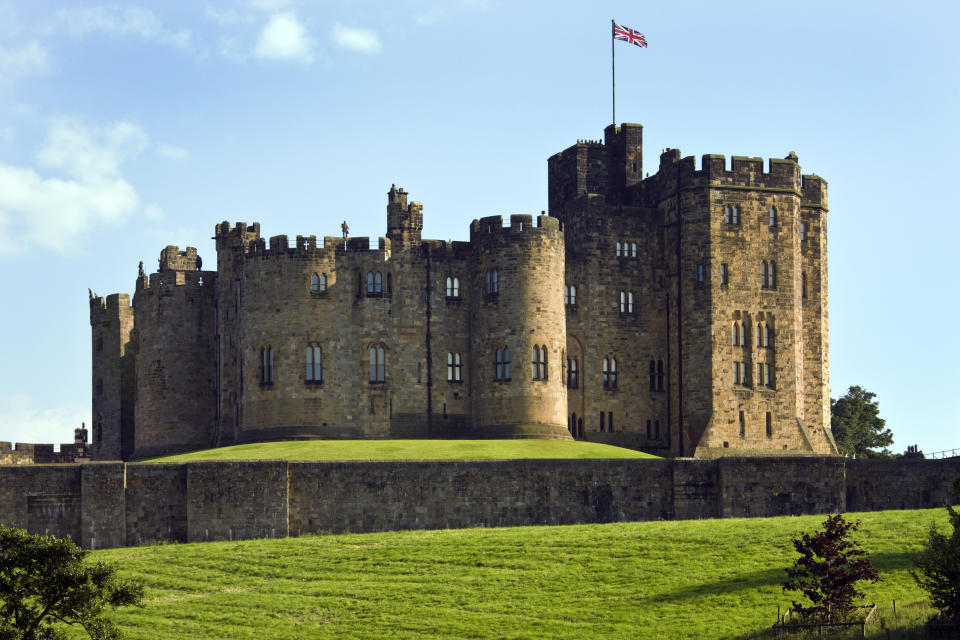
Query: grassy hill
x,y
670,580
409,450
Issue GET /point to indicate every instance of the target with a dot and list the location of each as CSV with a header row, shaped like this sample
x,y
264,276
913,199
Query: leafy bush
x,y
938,568
828,569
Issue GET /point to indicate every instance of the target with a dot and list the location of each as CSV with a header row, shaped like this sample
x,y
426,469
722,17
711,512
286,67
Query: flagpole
x,y
613,73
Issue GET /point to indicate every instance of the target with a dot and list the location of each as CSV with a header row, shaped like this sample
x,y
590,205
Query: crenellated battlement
x,y
814,191
743,171
166,282
444,249
519,224
239,236
104,310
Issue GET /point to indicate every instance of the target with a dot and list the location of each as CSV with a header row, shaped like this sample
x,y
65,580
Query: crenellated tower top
x,y
404,221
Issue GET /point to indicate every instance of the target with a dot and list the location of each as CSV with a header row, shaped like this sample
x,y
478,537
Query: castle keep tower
x,y
684,313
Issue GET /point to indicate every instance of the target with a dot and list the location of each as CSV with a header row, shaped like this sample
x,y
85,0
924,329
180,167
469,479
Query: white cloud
x,y
362,40
83,186
30,59
172,152
284,38
127,21
24,420
225,18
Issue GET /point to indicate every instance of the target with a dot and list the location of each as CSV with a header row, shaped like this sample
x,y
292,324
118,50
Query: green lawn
x,y
681,579
409,450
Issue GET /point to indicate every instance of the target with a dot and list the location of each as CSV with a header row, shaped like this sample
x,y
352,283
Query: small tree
x,y
45,584
828,569
938,567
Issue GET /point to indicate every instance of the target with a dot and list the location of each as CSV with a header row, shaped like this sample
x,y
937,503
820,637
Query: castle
x,y
684,314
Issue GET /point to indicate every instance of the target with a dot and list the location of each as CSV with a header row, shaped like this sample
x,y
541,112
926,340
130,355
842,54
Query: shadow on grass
x,y
774,577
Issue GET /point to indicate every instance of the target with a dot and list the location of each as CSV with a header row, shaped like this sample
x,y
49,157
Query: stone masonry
x,y
114,504
683,313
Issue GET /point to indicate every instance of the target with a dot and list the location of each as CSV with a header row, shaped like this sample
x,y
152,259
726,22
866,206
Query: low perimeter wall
x,y
111,504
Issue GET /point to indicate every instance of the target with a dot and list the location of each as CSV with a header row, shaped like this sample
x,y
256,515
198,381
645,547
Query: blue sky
x,y
127,127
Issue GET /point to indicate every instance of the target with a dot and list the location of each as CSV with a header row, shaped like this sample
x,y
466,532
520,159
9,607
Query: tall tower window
x,y
653,376
314,361
453,287
735,333
769,425
501,363
619,249
492,282
724,275
378,367
266,365
773,217
743,425
539,362
659,375
609,371
570,294
454,368
767,336
572,373
374,283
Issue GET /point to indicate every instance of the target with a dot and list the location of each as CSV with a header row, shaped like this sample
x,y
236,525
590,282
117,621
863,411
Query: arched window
x,y
659,375
493,282
377,283
609,372
453,287
623,301
735,333
727,214
633,249
314,363
315,283
573,380
759,335
767,375
772,276
454,368
502,364
773,216
543,362
369,282
618,249
629,301
743,335
378,367
570,294
735,210
763,274
323,282
536,369
767,336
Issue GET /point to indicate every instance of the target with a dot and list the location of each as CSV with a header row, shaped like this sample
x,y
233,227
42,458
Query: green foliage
x,y
46,585
674,580
828,570
857,425
938,568
410,450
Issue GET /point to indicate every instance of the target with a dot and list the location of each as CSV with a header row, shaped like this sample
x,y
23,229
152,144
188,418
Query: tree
x,y
45,584
938,566
828,570
857,425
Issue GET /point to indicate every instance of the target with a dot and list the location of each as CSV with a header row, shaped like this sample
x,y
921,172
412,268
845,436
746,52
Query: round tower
x,y
519,328
174,326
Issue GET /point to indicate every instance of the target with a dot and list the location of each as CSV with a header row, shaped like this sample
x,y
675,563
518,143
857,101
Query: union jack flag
x,y
628,35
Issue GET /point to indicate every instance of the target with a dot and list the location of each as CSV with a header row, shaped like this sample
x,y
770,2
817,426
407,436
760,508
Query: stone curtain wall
x,y
104,505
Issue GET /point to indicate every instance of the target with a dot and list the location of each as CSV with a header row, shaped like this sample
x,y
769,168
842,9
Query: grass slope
x,y
409,450
682,579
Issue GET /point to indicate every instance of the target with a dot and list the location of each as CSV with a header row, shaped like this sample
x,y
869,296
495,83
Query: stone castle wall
x,y
632,286
115,504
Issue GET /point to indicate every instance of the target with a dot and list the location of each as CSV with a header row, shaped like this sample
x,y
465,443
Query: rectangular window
x,y
700,272
724,277
743,425
602,426
769,424
767,377
759,374
610,421
649,431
